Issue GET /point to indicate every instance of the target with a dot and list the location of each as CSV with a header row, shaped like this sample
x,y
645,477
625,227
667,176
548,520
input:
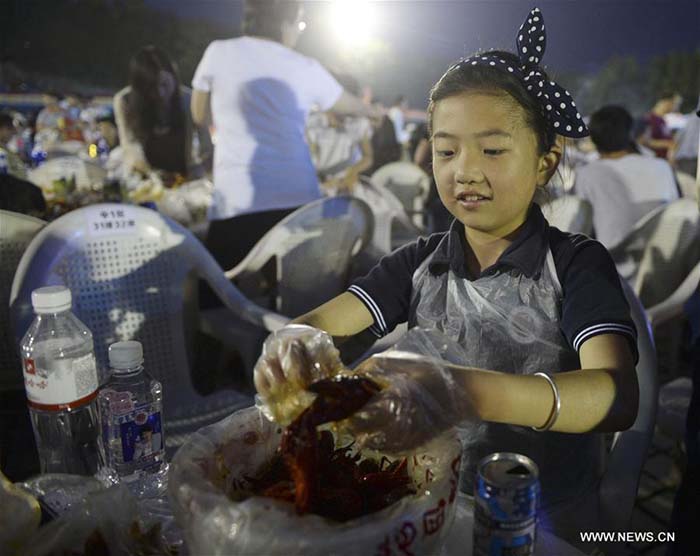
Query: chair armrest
x,y
232,298
673,305
228,328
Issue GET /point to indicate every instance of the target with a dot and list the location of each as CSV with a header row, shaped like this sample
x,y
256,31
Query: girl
x,y
542,308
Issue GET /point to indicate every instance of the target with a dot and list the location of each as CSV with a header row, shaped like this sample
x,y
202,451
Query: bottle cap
x,y
51,299
125,355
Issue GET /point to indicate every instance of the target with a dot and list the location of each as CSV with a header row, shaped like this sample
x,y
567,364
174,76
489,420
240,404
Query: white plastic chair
x,y
16,231
128,269
392,225
409,183
570,214
308,255
629,252
672,306
668,274
618,487
671,253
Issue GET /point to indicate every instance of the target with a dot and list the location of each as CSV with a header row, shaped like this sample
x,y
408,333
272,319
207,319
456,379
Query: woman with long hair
x,y
155,127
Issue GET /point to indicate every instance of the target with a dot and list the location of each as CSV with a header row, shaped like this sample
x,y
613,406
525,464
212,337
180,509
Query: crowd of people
x,y
288,131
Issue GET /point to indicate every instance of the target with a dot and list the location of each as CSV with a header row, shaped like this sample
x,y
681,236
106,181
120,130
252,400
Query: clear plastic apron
x,y
508,322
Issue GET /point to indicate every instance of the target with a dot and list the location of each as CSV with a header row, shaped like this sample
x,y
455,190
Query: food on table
x,y
320,478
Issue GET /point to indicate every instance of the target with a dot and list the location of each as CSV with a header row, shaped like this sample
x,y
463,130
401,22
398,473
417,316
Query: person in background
x,y
72,105
107,128
385,147
543,309
622,185
684,153
52,116
152,114
656,134
340,145
421,153
258,92
397,115
10,162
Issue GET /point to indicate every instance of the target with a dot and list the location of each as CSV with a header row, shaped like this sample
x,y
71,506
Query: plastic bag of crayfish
x,y
219,459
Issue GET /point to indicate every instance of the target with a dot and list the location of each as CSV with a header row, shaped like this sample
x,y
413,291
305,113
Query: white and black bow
x,y
557,105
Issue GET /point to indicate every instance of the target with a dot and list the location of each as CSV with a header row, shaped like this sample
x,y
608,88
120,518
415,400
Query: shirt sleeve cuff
x,y
201,84
607,328
379,328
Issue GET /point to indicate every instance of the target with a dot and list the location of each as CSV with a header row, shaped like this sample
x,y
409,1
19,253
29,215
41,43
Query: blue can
x,y
506,499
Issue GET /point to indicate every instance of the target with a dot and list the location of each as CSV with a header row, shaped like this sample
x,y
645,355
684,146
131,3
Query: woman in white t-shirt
x,y
259,92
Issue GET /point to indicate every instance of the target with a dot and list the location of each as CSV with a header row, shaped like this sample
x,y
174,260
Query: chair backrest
x,y
391,223
570,214
628,253
16,231
671,253
408,182
127,268
312,249
618,487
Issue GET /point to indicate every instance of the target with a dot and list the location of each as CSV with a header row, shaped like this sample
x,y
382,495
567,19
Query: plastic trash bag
x,y
19,517
109,521
218,458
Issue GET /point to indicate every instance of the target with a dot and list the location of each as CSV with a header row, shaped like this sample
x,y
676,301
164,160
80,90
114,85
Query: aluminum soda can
x,y
506,499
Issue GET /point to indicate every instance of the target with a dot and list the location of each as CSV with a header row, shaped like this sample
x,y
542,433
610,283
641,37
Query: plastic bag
x,y
293,358
218,458
111,518
19,516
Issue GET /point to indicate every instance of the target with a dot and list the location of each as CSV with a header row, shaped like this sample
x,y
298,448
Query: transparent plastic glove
x,y
421,398
293,358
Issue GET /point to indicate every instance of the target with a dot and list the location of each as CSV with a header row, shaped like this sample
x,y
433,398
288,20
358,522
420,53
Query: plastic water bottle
x,y
132,431
60,377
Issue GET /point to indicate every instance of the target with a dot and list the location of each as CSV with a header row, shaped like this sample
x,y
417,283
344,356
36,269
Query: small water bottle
x,y
132,431
3,162
60,377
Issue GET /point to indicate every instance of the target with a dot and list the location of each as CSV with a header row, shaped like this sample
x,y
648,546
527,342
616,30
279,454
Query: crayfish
x,y
318,477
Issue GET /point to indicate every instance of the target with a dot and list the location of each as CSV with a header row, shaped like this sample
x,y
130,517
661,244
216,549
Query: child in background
x,y
542,308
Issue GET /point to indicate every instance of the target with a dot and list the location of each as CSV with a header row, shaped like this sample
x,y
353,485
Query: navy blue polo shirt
x,y
593,301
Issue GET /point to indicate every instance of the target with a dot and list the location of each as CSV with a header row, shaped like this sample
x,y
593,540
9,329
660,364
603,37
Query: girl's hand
x,y
293,358
421,398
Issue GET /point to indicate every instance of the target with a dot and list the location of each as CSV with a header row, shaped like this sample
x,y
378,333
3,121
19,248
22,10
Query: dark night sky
x,y
581,34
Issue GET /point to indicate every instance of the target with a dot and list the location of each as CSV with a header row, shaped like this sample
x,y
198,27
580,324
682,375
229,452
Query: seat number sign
x,y
110,221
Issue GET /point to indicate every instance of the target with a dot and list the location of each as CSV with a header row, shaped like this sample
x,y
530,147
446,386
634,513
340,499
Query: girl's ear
x,y
550,161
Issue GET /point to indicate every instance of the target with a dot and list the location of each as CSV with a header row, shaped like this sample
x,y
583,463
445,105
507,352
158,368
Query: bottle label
x,y
141,436
68,384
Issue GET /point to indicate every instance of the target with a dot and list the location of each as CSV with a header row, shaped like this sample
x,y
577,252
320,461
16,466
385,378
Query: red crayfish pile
x,y
318,477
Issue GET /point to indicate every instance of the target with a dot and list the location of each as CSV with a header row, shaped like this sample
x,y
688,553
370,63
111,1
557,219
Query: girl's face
x,y
486,162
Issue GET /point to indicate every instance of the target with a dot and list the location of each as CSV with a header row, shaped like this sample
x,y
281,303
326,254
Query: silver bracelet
x,y
557,404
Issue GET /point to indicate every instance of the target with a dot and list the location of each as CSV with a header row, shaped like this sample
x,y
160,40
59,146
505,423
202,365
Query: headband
x,y
558,108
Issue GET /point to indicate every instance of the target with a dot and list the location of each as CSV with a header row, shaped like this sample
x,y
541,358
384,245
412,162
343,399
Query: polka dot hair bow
x,y
557,105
